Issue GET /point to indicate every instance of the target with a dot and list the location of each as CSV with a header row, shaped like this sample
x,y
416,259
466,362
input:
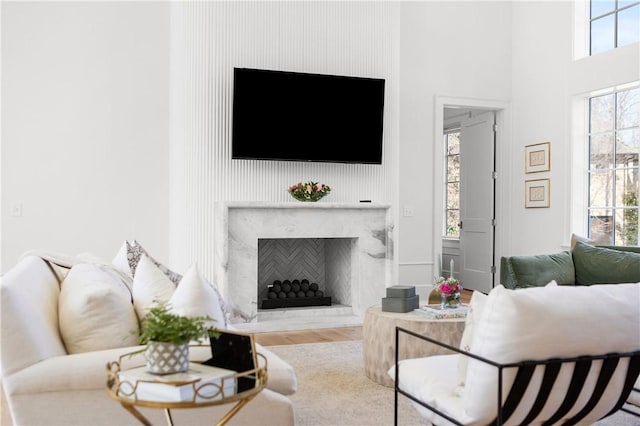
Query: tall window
x,y
452,191
613,23
614,148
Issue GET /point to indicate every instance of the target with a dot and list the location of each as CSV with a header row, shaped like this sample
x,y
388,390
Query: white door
x,y
477,195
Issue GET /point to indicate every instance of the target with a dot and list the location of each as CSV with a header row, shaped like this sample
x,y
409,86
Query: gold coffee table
x,y
132,393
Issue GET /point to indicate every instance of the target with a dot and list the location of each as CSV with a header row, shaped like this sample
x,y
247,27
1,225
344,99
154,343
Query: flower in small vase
x,y
309,191
449,290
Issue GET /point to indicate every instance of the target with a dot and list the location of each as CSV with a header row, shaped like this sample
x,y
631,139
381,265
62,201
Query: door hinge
x,y
494,222
495,127
493,269
494,175
460,224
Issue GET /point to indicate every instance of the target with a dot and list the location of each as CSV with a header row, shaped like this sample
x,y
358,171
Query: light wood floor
x,y
309,336
322,334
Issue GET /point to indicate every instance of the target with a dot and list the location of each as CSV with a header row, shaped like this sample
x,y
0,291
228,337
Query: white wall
x,y
451,49
548,86
85,122
208,40
85,115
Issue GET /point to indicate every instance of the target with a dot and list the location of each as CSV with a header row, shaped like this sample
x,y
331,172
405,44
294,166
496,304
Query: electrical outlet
x,y
16,209
407,211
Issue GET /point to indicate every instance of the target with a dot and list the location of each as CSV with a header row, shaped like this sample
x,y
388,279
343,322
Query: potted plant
x,y
167,336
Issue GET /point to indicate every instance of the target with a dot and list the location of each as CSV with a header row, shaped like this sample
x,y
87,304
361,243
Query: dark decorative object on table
x,y
234,351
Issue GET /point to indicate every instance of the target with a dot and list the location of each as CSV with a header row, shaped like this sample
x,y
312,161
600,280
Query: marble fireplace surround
x,y
240,225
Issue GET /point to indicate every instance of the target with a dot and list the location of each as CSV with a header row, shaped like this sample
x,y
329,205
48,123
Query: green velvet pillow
x,y
537,271
599,265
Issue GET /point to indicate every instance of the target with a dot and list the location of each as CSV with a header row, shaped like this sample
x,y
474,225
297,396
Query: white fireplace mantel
x,y
239,226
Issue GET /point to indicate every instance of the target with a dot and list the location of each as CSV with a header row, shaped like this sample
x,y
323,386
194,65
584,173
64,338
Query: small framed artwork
x,y
536,193
537,157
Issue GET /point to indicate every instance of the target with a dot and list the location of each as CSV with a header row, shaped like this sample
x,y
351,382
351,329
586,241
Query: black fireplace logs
x,y
296,293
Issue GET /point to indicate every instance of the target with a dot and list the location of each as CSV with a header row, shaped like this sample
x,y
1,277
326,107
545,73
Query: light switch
x,y
16,209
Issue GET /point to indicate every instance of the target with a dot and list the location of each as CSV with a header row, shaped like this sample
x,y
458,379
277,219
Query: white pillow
x,y
120,260
194,296
95,310
135,252
476,306
540,323
150,285
129,256
575,238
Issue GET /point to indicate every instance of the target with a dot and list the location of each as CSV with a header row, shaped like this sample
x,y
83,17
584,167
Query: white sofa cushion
x,y
424,379
95,310
30,331
195,297
548,322
128,260
476,306
150,285
120,260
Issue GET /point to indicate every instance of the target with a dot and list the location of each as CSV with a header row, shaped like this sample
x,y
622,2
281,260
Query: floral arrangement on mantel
x,y
449,290
309,191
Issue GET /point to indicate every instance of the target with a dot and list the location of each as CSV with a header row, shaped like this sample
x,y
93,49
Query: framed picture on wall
x,y
537,157
536,193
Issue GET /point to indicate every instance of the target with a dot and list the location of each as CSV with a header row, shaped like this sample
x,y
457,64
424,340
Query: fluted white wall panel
x,y
209,39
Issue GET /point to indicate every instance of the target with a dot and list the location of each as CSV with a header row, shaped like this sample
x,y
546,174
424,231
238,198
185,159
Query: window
x,y
614,148
452,190
613,23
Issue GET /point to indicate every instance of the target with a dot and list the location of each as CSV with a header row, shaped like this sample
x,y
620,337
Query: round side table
x,y
379,334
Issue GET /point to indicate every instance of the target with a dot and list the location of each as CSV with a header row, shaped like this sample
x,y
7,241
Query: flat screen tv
x,y
290,116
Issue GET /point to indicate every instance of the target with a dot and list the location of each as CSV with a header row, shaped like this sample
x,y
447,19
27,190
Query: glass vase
x,y
450,301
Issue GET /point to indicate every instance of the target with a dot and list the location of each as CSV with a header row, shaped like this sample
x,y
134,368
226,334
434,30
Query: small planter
x,y
167,358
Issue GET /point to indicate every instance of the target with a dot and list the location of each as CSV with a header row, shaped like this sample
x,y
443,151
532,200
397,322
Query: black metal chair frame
x,y
525,370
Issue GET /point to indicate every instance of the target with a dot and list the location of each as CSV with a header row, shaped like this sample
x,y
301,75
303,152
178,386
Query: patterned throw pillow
x,y
135,251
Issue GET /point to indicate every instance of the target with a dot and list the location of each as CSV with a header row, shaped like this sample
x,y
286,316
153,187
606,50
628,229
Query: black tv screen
x,y
280,115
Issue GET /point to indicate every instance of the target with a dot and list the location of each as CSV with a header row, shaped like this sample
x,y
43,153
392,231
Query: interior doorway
x,y
474,246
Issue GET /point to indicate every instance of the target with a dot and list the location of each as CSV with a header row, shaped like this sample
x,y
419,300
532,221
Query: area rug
x,y
333,389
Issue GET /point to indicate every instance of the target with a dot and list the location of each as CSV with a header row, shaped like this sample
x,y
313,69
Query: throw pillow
x,y
538,270
135,251
195,297
543,323
150,285
120,260
599,265
95,310
476,306
575,238
128,260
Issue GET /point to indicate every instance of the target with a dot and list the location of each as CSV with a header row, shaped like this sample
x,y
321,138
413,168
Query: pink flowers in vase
x,y
449,289
309,191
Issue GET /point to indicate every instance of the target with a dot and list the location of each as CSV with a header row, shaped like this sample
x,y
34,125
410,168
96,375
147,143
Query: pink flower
x,y
445,289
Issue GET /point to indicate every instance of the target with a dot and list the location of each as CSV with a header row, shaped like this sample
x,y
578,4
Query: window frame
x,y
448,131
615,206
615,13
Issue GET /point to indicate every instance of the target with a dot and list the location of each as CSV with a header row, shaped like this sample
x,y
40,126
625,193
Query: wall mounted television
x,y
292,116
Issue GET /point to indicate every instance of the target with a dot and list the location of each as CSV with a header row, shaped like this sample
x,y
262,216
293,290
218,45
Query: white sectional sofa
x,y
45,384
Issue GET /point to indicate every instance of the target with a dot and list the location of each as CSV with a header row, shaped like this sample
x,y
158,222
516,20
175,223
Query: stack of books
x,y
199,383
436,312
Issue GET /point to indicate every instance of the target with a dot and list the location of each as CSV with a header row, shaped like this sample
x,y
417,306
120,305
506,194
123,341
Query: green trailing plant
x,y
162,325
